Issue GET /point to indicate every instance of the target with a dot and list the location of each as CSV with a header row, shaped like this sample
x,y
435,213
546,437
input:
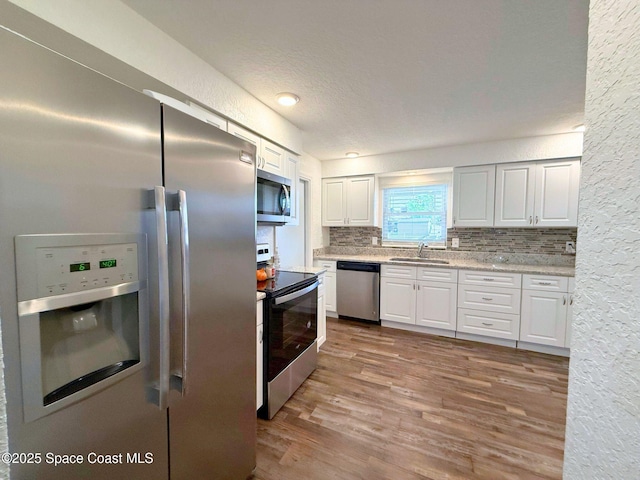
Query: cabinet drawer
x,y
498,279
497,325
329,265
437,274
398,271
490,299
545,282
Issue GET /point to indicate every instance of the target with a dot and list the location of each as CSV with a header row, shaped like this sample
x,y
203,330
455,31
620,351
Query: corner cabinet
x,y
473,196
348,201
546,303
537,194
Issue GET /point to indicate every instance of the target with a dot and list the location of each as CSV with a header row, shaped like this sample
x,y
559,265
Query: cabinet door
x,y
515,193
571,289
544,317
291,169
473,196
360,197
436,305
334,202
322,316
557,185
330,292
398,300
272,157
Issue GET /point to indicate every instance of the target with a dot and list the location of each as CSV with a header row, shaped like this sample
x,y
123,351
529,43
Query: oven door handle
x,y
297,294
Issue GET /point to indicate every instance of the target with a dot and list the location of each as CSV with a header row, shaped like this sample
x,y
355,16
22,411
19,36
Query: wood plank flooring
x,y
389,404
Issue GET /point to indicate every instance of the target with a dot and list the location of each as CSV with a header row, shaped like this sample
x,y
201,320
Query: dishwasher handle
x,y
359,266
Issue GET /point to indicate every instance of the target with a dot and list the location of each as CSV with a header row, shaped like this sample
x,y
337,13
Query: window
x,y
414,214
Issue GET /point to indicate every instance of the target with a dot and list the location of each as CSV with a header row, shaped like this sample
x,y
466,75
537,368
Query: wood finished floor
x,y
389,404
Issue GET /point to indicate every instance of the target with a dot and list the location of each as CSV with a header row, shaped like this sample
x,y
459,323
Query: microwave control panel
x,y
69,269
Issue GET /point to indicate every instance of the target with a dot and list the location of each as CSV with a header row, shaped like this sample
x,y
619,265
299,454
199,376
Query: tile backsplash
x,y
548,241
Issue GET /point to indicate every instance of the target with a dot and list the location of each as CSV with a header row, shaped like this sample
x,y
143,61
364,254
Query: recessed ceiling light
x,y
579,128
287,99
352,154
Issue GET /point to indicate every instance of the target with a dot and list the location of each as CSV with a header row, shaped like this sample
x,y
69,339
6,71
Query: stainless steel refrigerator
x,y
127,250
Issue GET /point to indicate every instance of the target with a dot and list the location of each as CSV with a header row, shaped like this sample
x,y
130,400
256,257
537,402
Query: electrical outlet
x,y
455,243
374,240
570,247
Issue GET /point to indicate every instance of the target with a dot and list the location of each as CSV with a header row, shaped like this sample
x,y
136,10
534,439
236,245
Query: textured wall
x,y
546,241
603,423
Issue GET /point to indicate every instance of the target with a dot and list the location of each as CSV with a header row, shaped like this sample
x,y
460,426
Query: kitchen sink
x,y
432,261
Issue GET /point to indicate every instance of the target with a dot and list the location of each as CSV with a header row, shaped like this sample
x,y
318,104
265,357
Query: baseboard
x,y
481,338
419,329
534,347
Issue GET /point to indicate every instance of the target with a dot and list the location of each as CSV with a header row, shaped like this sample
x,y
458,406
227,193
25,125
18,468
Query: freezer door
x,y
212,411
78,153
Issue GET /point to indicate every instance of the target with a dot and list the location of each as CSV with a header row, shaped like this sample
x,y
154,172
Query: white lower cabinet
x,y
259,355
330,299
571,290
398,299
489,304
546,303
419,296
322,311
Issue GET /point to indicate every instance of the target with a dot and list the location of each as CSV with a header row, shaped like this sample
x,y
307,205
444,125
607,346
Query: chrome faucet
x,y
421,247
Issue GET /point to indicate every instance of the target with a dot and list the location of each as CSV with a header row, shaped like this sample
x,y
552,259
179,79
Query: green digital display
x,y
108,263
79,267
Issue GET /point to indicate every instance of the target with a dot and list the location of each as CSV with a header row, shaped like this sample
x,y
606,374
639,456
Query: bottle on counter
x,y
270,269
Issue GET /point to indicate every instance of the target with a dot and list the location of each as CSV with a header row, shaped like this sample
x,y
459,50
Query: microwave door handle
x,y
296,294
159,204
287,199
179,379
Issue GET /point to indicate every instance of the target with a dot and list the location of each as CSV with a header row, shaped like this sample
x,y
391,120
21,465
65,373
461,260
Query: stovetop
x,y
285,282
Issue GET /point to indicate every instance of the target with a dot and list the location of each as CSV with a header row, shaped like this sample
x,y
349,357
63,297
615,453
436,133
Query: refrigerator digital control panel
x,y
72,269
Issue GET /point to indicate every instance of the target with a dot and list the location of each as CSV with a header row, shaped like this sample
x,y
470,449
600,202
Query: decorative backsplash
x,y
548,241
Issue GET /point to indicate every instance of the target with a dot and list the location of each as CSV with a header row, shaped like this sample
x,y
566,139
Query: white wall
x,y
119,31
516,150
603,423
311,168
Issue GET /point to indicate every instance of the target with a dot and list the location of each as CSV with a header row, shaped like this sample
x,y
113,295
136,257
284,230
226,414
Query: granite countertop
x,y
261,295
460,263
302,269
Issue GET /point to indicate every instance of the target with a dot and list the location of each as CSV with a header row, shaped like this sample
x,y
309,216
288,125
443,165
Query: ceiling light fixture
x,y
352,154
579,128
287,99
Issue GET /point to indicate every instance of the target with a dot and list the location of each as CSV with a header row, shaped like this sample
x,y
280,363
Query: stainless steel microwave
x,y
273,198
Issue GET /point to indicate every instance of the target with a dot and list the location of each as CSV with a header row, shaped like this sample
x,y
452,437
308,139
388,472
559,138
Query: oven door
x,y
291,327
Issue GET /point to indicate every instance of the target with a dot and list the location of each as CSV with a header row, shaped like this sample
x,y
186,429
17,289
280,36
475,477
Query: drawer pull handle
x,y
488,279
487,324
544,283
487,299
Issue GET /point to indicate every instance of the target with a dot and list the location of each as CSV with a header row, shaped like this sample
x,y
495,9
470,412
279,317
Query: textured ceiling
x,y
381,76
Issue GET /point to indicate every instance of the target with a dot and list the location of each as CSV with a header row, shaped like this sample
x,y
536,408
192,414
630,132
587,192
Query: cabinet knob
x,y
530,219
571,300
564,300
537,219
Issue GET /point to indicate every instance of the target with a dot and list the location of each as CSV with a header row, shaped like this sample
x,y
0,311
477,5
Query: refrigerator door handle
x,y
160,206
179,379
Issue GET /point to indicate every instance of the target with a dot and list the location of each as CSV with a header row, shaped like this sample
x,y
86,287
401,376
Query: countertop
x,y
462,264
261,295
301,269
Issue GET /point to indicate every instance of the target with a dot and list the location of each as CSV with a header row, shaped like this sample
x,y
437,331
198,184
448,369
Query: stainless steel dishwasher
x,y
358,290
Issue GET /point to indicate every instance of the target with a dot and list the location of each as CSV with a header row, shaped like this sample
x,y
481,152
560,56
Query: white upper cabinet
x,y
515,194
270,157
537,194
291,171
557,188
334,202
348,201
474,191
